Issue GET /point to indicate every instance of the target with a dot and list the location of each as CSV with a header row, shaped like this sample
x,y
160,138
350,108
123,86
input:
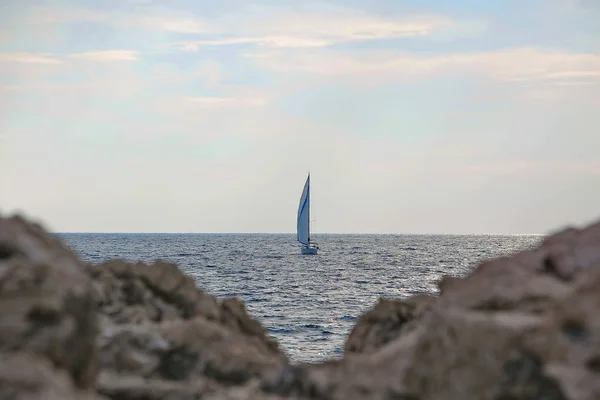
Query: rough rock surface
x,y
525,326
386,321
47,309
157,324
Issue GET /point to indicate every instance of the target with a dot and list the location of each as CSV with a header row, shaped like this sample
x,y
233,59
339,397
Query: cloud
x,y
312,29
52,15
306,25
107,55
28,58
576,83
219,102
47,59
317,32
346,25
574,74
267,41
173,23
154,18
512,168
513,65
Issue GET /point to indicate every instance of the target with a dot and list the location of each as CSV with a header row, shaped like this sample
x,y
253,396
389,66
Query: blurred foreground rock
x,y
520,327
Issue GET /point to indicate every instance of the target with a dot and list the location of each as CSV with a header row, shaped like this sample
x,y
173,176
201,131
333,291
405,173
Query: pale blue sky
x,y
421,116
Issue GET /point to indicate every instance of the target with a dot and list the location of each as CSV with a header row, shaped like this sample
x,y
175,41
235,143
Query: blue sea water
x,y
308,303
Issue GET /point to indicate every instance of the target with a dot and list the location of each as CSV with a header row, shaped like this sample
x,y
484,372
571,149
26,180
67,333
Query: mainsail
x,y
303,228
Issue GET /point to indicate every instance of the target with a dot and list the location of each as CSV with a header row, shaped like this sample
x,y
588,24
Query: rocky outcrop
x,y
524,326
387,320
517,328
157,323
122,330
26,376
47,312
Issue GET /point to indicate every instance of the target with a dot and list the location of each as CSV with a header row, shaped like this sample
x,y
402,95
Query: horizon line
x,y
293,233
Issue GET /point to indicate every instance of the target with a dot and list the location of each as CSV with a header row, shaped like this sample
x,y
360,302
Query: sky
x,y
412,116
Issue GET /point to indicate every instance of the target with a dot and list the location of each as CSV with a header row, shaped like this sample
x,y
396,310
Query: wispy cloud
x,y
513,65
107,55
576,83
150,18
347,25
53,59
512,168
574,74
173,23
29,58
321,30
266,41
53,15
275,26
220,102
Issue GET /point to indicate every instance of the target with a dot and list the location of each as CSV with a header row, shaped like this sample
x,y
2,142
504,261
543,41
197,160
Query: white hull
x,y
308,250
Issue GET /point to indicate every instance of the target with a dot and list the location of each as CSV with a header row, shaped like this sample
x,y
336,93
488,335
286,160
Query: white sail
x,y
304,215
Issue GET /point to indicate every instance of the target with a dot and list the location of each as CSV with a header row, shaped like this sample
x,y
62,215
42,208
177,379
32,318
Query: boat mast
x,y
308,224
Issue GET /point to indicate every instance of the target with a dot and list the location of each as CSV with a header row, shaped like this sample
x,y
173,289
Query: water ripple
x,y
308,303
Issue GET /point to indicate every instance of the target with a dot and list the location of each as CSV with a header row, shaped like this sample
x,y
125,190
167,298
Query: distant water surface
x,y
308,303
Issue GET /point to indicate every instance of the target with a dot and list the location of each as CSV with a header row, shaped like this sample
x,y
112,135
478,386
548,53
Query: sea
x,y
308,303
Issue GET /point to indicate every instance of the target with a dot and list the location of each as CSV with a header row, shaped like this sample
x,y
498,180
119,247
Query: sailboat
x,y
303,223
